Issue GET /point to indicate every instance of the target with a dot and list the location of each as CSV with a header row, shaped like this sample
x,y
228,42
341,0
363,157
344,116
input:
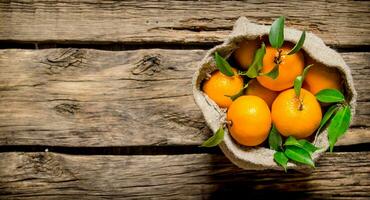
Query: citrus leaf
x,y
299,81
281,159
308,146
215,139
299,44
257,63
276,35
274,73
328,114
298,85
305,71
275,140
330,96
223,65
252,72
339,125
240,93
299,155
303,144
291,141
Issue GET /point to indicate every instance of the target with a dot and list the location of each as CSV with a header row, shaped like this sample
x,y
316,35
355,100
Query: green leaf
x,y
339,125
276,35
299,81
215,139
330,96
308,146
332,109
299,155
291,141
298,85
257,63
305,71
275,140
303,144
274,73
240,93
223,65
281,159
299,44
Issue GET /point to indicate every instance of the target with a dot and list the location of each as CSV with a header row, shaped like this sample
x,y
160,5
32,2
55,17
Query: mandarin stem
x,y
300,108
208,76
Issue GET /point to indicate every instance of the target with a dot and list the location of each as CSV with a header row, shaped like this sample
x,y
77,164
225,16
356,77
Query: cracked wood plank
x,y
80,97
339,23
196,176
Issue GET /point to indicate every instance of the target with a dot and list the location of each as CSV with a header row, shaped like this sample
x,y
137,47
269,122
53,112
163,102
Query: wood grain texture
x,y
79,97
195,176
340,23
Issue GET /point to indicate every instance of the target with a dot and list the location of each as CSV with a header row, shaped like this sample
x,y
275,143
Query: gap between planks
x,y
112,46
151,150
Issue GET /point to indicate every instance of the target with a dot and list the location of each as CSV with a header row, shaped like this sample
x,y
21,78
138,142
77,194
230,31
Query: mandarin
x,y
250,120
244,55
320,77
290,67
219,86
256,89
298,117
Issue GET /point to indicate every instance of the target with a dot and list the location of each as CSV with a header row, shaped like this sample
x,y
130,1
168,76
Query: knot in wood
x,y
148,65
48,166
66,108
62,59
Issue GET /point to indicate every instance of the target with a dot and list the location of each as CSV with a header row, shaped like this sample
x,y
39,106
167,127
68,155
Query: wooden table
x,y
96,101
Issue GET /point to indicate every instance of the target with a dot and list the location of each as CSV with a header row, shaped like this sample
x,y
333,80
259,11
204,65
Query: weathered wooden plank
x,y
60,176
355,136
337,22
78,97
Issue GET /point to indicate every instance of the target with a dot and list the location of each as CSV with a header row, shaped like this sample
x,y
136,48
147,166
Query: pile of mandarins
x,y
265,100
274,90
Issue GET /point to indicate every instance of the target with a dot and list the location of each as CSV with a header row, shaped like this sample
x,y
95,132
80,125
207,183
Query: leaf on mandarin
x,y
305,71
281,159
215,139
257,63
328,114
330,96
299,44
299,81
291,141
275,140
308,146
339,125
276,35
303,144
298,85
223,65
240,93
274,73
299,155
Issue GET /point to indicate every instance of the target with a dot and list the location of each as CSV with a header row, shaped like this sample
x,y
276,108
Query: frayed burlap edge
x,y
260,158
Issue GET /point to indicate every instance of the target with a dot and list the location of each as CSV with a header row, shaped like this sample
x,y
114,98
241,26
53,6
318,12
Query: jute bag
x,y
260,158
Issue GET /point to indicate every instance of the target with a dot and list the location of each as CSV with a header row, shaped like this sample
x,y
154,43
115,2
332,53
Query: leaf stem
x,y
229,122
208,76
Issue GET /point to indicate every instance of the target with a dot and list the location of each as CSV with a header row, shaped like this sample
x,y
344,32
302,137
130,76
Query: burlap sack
x,y
259,158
